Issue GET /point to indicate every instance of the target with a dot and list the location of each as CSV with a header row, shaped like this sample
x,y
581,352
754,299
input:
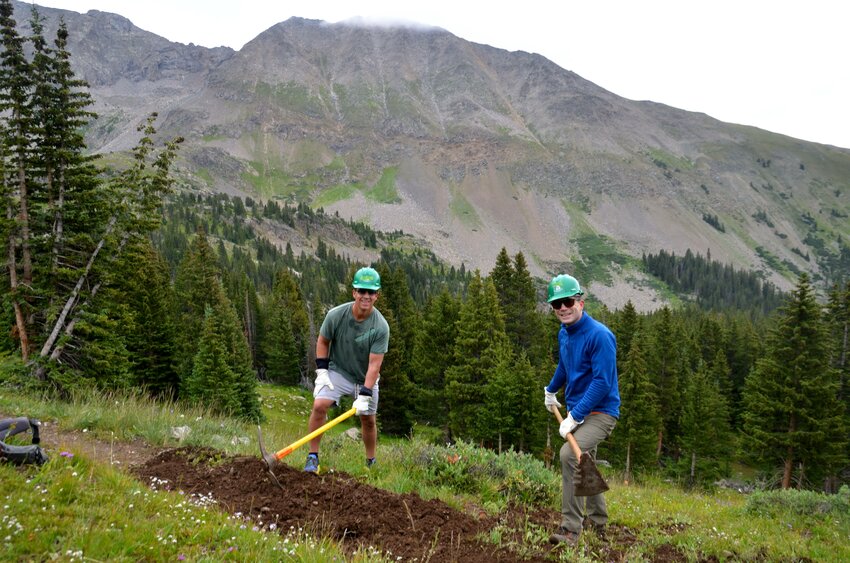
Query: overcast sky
x,y
780,65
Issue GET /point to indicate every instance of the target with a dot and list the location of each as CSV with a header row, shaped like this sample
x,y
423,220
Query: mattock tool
x,y
272,460
588,480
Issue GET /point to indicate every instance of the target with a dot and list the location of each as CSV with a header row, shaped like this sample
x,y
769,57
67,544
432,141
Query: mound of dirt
x,y
341,506
337,504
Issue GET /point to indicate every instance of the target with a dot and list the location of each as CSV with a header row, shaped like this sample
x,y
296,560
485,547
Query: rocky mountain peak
x,y
470,148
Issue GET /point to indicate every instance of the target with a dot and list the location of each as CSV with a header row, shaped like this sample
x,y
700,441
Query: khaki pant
x,y
594,429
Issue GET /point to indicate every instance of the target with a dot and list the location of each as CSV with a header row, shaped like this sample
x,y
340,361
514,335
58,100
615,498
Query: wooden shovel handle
x,y
570,438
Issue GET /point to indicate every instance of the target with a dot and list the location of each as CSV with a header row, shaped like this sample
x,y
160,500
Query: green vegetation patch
x,y
308,155
668,161
463,210
205,175
337,193
384,191
596,253
290,95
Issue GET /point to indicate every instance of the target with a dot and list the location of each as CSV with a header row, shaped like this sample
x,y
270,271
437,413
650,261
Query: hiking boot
x,y
312,465
563,535
597,528
370,461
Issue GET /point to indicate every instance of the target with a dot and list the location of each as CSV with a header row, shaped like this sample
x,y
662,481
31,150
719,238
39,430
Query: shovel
x,y
272,460
587,481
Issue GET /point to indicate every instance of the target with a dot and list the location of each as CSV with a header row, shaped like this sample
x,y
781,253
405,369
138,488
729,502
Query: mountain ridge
x,y
483,148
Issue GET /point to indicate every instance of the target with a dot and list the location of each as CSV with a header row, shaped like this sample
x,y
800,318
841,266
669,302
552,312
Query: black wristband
x,y
323,363
365,391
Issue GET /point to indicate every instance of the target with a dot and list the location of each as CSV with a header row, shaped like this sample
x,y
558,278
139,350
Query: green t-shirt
x,y
352,341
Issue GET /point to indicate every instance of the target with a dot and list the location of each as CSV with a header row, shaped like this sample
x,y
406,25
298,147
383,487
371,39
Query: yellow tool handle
x,y
321,430
570,438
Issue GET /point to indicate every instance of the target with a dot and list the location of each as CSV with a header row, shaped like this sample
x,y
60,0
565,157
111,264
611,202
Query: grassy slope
x,y
75,507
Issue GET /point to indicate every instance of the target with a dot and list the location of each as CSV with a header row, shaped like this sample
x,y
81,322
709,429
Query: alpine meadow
x,y
179,221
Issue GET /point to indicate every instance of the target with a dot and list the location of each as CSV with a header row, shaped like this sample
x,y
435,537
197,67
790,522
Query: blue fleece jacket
x,y
587,368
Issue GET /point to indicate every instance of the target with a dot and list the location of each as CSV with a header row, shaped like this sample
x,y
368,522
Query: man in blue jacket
x,y
587,370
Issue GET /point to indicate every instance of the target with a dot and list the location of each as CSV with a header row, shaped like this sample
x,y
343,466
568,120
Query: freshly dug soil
x,y
336,504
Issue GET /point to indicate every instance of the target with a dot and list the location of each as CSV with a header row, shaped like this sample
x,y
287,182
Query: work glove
x,y
568,425
322,380
550,400
361,403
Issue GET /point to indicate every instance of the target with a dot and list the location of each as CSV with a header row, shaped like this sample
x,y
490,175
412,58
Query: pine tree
x,y
15,135
518,301
634,438
626,325
838,322
792,414
432,356
497,422
133,199
395,297
396,390
481,333
143,284
212,380
280,356
196,285
744,347
665,366
705,427
223,346
512,417
287,294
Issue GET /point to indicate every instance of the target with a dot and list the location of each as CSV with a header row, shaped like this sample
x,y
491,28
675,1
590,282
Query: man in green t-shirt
x,y
349,352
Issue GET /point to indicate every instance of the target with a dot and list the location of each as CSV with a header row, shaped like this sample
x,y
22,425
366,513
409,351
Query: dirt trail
x,y
342,507
337,504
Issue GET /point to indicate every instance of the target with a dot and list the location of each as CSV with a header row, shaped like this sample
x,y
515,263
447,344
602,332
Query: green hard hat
x,y
563,286
367,278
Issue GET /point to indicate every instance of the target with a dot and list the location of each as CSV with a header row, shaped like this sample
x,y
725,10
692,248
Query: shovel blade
x,y
588,480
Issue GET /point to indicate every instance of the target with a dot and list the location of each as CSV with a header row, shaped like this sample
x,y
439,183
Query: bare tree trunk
x,y
659,444
49,344
628,476
788,469
23,218
20,318
250,330
58,217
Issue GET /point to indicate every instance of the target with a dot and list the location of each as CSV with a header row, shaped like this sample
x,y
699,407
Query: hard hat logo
x,y
563,286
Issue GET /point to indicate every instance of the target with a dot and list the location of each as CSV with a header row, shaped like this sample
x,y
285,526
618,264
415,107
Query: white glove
x,y
322,380
569,425
550,400
361,403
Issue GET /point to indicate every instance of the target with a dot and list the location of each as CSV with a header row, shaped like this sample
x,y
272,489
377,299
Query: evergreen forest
x,y
124,277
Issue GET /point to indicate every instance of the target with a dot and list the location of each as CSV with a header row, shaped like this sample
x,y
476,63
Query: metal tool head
x,y
588,480
269,459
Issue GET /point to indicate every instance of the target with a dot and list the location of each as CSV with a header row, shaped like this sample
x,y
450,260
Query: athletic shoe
x,y
312,465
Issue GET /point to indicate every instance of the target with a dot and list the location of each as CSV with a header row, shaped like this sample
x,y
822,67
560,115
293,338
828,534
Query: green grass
x,y
74,508
596,255
332,195
384,191
664,159
464,211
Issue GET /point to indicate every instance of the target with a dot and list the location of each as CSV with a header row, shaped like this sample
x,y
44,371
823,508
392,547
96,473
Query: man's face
x,y
364,299
568,309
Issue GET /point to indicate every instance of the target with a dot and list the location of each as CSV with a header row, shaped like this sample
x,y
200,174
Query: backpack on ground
x,y
20,455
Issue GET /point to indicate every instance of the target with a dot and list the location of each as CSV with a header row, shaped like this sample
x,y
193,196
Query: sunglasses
x,y
559,303
362,291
